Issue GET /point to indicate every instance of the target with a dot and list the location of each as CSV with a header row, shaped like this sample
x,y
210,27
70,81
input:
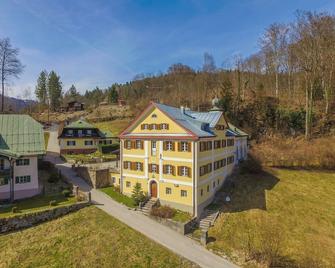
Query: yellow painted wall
x,y
161,118
80,143
117,177
175,195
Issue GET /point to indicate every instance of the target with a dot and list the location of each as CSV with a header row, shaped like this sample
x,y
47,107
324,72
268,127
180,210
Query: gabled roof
x,y
198,124
237,131
80,124
20,135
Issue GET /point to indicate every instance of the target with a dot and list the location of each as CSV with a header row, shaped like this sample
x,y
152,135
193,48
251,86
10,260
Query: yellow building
x,y
80,137
179,156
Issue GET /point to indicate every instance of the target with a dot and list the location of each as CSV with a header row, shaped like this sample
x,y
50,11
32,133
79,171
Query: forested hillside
x,y
286,87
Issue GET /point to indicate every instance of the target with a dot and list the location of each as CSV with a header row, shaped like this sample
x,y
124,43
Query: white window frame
x,y
89,132
168,190
169,169
169,146
154,126
22,179
184,146
22,162
70,143
145,126
154,168
184,171
164,126
138,166
183,193
138,144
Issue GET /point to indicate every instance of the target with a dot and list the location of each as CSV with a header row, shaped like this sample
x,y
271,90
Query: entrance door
x,y
153,189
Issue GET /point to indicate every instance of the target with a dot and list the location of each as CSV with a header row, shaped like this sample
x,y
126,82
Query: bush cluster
x,y
165,212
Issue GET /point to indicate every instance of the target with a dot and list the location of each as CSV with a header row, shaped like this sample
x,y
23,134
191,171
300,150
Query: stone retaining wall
x,y
97,178
181,227
30,219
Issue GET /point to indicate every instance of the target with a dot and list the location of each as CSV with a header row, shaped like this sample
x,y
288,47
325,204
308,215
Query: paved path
x,y
161,234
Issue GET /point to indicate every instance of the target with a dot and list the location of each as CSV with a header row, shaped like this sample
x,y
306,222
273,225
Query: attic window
x,y
154,116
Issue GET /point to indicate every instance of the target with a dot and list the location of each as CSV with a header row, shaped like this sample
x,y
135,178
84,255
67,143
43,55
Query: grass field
x,y
115,126
123,199
295,208
36,203
87,238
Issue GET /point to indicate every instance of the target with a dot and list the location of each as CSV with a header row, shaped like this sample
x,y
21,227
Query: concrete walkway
x,y
172,240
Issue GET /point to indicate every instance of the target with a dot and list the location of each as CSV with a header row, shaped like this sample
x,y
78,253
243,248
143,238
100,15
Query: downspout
x,y
121,166
195,180
11,186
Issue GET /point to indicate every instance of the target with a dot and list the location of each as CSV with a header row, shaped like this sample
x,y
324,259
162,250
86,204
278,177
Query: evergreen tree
x,y
41,91
137,194
113,95
72,92
54,90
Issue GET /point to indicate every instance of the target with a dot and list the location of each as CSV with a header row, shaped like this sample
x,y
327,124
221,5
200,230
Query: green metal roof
x,y
80,124
20,135
106,134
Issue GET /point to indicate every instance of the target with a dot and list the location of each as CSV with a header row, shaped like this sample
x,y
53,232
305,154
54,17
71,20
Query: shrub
x,y
66,192
165,212
15,210
54,177
53,203
117,188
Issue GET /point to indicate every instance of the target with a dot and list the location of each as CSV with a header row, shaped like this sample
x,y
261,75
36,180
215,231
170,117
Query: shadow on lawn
x,y
246,187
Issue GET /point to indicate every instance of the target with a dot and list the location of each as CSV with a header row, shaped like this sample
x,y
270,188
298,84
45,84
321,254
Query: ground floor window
x,y
3,181
88,143
168,190
183,193
71,143
113,179
128,184
22,179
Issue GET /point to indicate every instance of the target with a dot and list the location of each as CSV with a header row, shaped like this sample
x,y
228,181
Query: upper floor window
x,y
153,126
184,171
230,142
89,132
70,131
153,168
223,143
184,146
168,146
22,162
139,144
127,165
164,126
217,144
138,166
127,144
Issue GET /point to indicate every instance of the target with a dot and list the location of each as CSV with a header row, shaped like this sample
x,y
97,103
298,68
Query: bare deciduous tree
x,y
10,65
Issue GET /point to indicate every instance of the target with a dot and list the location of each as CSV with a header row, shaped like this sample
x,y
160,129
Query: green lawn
x,y
46,139
36,203
115,126
88,157
182,216
123,199
87,238
294,207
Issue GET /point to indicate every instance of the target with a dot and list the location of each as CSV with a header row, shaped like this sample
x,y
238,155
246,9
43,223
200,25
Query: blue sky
x,y
96,43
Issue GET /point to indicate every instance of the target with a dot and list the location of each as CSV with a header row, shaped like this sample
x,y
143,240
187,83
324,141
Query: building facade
x,y
81,137
22,143
180,156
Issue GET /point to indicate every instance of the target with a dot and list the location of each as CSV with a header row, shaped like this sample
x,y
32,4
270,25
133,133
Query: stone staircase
x,y
207,219
146,209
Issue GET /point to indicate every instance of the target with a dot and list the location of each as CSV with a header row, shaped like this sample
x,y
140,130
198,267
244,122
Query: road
x,y
172,240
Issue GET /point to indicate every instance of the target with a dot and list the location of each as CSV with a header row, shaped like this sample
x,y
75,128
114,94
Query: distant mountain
x,y
16,104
